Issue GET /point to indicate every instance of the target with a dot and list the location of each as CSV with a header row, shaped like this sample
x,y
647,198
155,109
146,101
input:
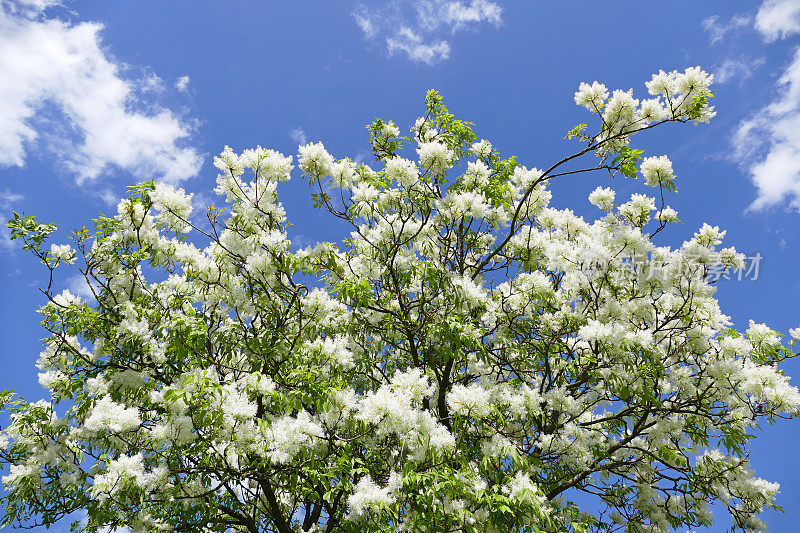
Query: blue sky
x,y
95,96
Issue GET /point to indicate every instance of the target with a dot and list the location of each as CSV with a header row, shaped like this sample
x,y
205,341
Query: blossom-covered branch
x,y
467,359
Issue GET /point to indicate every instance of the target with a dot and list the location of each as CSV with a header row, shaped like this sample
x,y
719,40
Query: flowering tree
x,y
468,359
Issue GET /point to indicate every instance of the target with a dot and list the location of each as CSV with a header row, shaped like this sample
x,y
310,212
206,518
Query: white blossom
x,y
63,252
482,148
367,496
709,235
403,171
603,198
434,157
112,416
314,160
174,206
289,434
470,400
592,97
656,170
666,215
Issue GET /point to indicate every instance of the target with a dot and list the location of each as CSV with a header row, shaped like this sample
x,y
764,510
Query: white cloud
x,y
79,286
777,19
767,144
149,83
739,69
416,49
182,84
775,131
52,64
28,7
365,23
457,15
7,200
416,27
298,136
718,30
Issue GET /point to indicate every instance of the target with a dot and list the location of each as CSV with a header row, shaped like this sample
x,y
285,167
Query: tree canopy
x,y
467,359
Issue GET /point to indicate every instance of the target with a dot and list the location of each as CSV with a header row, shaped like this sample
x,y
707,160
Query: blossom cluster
x,y
467,359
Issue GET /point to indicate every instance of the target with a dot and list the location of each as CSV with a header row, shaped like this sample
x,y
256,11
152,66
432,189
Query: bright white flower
x,y
235,405
336,348
367,496
51,378
603,198
289,434
390,409
637,210
267,164
653,110
766,385
63,252
18,472
174,206
680,89
229,162
667,215
795,333
663,84
390,130
709,235
524,178
596,331
460,204
656,170
132,325
497,447
67,299
694,80
111,416
403,171
343,173
314,160
620,111
731,258
761,333
413,383
520,487
482,148
477,175
470,400
592,97
472,294
364,193
435,157
319,305
440,438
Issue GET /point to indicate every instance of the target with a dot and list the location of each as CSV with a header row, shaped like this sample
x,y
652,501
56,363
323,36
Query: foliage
x,y
468,359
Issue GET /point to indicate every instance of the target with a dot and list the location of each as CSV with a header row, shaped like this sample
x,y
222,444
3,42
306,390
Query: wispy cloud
x,y
736,69
405,40
777,19
7,201
433,14
102,120
767,144
717,30
418,28
182,84
79,286
298,136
